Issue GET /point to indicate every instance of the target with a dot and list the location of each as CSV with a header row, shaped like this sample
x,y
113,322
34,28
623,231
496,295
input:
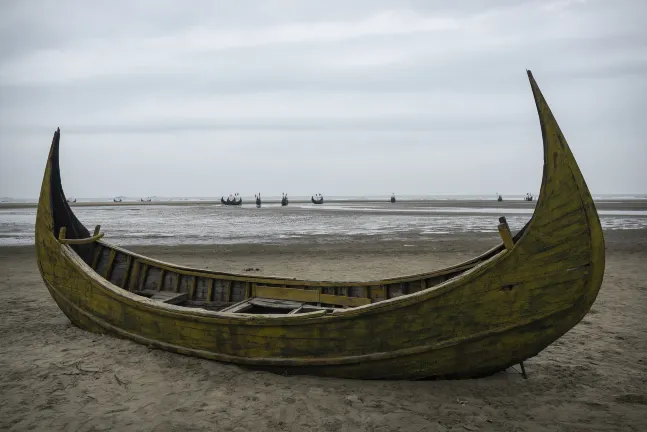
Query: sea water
x,y
217,224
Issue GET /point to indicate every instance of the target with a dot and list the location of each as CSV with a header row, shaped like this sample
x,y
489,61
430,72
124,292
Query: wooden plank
x,y
343,300
97,254
273,303
170,297
160,282
142,282
308,296
227,289
238,307
177,282
129,264
134,275
286,294
295,311
210,291
194,282
111,260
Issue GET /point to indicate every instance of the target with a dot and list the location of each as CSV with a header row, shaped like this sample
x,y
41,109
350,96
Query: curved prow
x,y
563,195
54,211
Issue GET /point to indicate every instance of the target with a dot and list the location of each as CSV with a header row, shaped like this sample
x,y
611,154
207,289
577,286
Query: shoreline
x,y
606,204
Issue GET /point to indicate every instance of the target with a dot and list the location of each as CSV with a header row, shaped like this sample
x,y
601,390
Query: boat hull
x,y
498,310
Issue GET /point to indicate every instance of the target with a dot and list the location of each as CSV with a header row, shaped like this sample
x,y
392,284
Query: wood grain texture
x,y
472,319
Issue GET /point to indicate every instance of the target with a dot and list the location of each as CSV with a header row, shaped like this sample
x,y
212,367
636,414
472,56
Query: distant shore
x,y
606,204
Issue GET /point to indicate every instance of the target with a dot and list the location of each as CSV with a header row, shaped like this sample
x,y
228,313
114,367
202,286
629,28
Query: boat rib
x,y
467,320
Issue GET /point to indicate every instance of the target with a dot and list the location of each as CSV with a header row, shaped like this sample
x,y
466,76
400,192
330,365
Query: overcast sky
x,y
205,98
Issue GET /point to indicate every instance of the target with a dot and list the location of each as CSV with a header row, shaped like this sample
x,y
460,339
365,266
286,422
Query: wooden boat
x,y
467,320
233,202
317,201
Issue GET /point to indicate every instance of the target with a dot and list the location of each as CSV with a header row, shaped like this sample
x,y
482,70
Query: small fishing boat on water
x,y
470,319
234,200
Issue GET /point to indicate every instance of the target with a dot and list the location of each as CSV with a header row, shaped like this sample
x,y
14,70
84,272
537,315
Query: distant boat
x,y
145,200
528,197
392,198
319,199
117,199
499,197
258,200
232,202
284,200
71,200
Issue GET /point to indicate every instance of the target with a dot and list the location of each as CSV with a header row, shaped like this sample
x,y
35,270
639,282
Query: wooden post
x,y
504,231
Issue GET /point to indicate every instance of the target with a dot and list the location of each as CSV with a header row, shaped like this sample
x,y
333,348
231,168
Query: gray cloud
x,y
428,96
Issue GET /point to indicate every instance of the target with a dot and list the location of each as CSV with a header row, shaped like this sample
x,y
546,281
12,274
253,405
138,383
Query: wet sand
x,y
58,377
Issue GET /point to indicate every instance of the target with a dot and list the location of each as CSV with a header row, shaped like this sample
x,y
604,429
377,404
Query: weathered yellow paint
x,y
506,236
506,305
285,294
61,238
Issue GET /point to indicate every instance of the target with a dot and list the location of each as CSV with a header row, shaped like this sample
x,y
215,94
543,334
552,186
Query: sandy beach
x,y
58,377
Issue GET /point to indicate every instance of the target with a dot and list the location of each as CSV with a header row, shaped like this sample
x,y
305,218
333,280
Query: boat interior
x,y
236,293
